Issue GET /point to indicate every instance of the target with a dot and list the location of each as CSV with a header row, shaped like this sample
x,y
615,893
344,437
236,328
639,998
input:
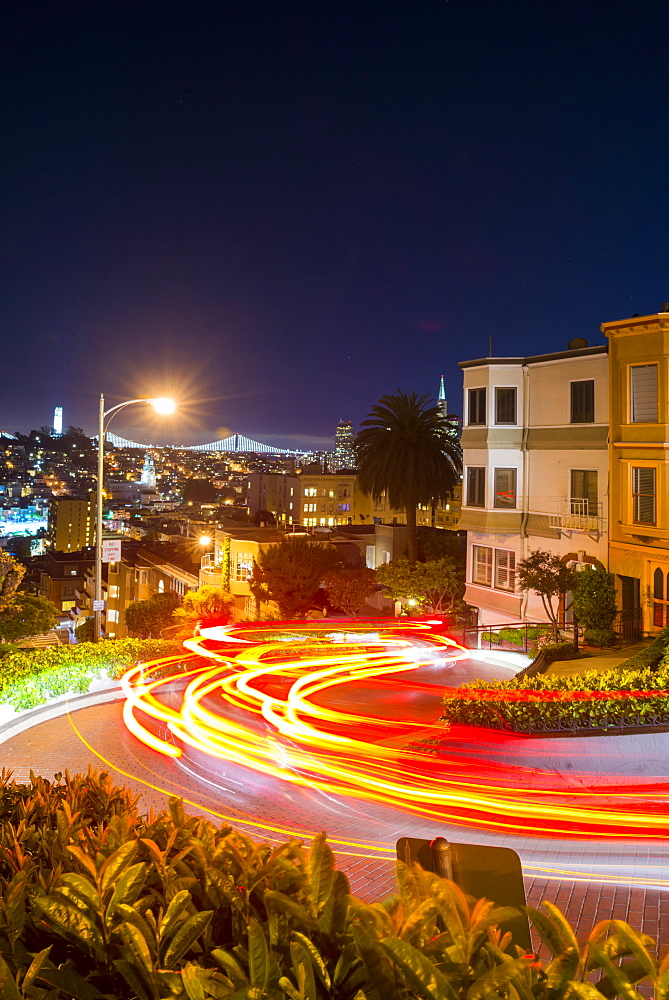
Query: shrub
x,y
559,651
97,902
600,636
595,599
652,656
515,636
546,702
29,678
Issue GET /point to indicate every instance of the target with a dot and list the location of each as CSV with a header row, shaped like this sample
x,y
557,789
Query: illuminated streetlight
x,y
204,540
161,405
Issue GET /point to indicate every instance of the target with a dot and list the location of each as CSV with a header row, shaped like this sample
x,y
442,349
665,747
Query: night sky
x,y
283,210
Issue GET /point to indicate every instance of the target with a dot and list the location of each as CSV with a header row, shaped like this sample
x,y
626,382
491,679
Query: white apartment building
x,y
535,455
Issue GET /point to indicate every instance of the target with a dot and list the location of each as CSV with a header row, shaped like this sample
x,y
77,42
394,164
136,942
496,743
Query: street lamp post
x,y
163,406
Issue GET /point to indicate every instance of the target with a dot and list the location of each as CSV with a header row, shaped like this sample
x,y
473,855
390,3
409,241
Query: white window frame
x,y
485,563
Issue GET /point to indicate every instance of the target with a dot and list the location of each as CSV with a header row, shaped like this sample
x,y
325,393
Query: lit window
x,y
243,566
343,507
113,592
643,495
643,394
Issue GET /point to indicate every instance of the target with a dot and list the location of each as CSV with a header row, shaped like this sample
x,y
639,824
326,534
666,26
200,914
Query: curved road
x,y
589,880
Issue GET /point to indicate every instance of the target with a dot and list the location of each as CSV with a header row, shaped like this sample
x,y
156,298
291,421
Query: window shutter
x,y
644,496
643,392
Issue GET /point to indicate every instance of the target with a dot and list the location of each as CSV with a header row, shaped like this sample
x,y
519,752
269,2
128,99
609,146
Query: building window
x,y
660,598
342,507
112,615
114,592
475,487
643,394
243,566
505,405
583,495
309,508
311,491
505,488
476,411
643,495
310,522
505,569
161,586
482,565
504,561
583,402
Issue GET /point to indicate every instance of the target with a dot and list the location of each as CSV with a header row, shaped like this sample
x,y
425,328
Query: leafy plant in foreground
x,y
98,902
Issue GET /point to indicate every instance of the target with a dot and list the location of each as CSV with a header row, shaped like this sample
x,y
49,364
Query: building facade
x,y
639,409
344,453
535,455
275,493
71,523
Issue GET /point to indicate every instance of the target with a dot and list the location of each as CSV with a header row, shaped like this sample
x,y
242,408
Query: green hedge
x,y
98,903
652,656
28,678
483,703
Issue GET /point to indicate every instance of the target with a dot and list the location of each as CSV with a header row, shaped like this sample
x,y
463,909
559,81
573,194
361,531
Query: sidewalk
x,y
598,660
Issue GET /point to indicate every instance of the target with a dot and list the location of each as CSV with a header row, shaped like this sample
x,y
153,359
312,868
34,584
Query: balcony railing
x,y
576,514
210,562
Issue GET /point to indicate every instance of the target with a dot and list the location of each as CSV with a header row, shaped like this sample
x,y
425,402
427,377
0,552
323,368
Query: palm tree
x,y
407,448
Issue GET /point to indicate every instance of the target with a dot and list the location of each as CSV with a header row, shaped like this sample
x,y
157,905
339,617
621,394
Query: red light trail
x,y
260,695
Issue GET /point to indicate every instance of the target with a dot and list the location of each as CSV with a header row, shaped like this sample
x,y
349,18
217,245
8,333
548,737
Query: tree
x,y
405,449
546,574
437,585
348,589
199,491
85,631
438,543
204,607
595,598
11,574
148,618
20,546
26,615
291,572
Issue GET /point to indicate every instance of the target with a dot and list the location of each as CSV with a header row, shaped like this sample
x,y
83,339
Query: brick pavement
x,y
97,736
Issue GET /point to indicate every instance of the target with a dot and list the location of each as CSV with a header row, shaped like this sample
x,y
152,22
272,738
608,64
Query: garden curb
x,y
28,720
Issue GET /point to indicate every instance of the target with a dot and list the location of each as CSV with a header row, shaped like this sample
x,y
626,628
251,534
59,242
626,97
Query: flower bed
x,y
615,699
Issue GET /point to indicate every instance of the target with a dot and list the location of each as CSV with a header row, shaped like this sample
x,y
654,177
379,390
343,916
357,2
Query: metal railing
x,y
576,514
520,638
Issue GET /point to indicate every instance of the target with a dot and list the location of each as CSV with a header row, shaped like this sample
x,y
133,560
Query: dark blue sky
x,y
289,209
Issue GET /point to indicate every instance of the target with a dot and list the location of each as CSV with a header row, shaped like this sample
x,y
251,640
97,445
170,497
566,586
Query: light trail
x,y
253,700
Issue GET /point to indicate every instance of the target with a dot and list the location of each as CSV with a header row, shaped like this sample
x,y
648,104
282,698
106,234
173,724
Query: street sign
x,y
98,605
111,550
479,870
